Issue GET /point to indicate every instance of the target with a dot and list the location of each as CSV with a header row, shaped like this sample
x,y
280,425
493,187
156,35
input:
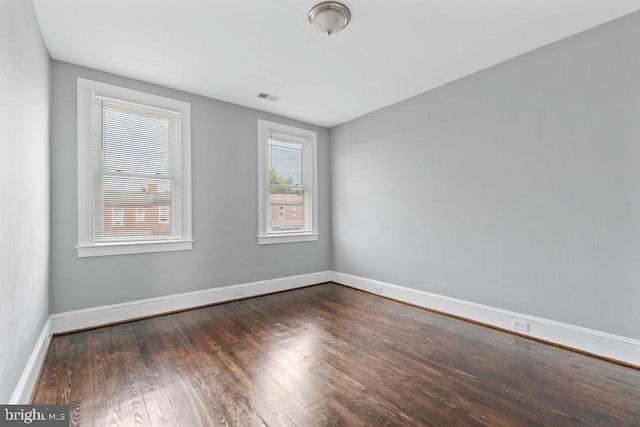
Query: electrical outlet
x,y
238,293
378,289
520,326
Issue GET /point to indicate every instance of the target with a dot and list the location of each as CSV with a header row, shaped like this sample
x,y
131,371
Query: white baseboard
x,y
22,392
603,344
599,343
107,314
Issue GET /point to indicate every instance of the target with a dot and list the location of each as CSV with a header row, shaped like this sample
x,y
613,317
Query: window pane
x,y
281,203
135,142
163,214
139,214
135,208
117,216
284,162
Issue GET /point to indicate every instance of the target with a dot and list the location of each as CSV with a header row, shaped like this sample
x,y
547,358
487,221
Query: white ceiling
x,y
233,49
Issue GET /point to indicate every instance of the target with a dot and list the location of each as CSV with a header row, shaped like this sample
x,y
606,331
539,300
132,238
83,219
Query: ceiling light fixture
x,y
329,17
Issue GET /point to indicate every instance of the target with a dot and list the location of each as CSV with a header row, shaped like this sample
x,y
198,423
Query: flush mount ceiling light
x,y
329,17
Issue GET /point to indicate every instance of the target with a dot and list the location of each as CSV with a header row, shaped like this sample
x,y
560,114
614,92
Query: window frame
x,y
87,247
120,222
311,195
163,218
140,215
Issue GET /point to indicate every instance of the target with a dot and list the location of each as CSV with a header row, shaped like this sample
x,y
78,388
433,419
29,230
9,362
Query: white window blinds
x,y
136,152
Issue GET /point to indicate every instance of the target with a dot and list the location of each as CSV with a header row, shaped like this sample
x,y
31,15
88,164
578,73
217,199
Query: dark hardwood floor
x,y
327,355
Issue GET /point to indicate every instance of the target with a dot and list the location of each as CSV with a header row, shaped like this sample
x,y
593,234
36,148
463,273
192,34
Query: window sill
x,y
106,249
269,239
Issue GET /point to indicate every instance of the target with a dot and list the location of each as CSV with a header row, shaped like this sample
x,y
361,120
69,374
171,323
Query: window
x,y
139,214
117,216
287,176
134,152
163,214
293,211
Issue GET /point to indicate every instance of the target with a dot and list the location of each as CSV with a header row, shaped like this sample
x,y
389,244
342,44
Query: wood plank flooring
x,y
327,355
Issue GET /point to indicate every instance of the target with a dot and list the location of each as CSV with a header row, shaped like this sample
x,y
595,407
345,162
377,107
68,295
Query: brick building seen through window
x,y
287,211
144,213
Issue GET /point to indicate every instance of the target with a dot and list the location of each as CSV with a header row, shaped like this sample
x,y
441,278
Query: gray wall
x,y
24,188
225,208
517,187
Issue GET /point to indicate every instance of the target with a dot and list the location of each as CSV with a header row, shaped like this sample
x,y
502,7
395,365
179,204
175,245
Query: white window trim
x,y
160,215
265,238
140,215
120,222
86,244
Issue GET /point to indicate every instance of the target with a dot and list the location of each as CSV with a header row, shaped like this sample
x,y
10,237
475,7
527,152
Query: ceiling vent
x,y
268,96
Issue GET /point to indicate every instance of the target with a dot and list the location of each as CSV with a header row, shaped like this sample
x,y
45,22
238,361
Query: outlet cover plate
x,y
520,326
